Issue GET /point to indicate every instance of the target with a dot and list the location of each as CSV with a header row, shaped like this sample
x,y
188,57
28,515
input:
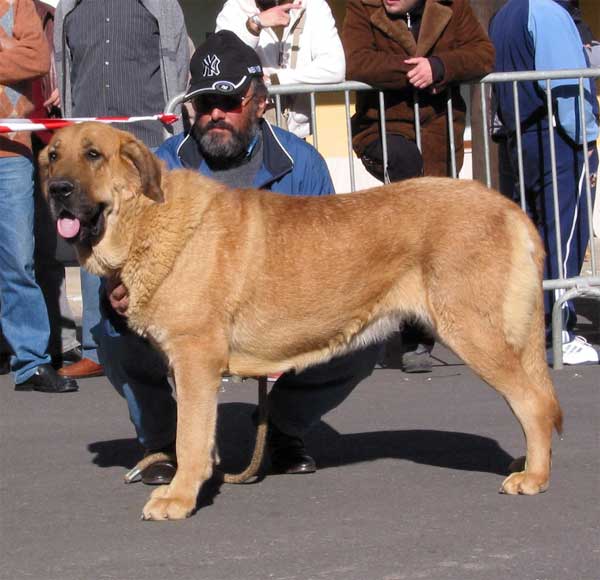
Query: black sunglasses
x,y
227,103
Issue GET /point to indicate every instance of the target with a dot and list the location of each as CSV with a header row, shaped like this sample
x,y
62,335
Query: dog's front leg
x,y
197,379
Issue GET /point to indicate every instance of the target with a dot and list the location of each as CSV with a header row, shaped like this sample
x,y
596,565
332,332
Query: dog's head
x,y
89,172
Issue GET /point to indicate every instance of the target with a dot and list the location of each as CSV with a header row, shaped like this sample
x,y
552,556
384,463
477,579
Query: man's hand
x,y
118,295
53,100
6,42
278,15
421,75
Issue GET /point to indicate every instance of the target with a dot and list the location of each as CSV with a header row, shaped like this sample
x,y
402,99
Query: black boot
x,y
288,454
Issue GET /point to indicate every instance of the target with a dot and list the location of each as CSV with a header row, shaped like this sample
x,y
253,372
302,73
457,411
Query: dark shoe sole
x,y
159,473
293,470
85,376
26,387
418,367
416,362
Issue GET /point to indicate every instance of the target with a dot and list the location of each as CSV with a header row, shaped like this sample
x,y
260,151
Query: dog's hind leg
x,y
530,395
197,379
533,362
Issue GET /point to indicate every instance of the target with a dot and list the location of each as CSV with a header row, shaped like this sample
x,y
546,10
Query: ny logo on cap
x,y
211,66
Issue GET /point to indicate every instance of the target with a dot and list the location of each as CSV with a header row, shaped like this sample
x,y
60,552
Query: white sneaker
x,y
579,351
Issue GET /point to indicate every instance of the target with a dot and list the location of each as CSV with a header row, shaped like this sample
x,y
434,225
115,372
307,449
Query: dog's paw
x,y
167,508
524,483
160,492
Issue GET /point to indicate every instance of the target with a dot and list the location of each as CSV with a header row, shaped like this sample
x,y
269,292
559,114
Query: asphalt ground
x,y
407,488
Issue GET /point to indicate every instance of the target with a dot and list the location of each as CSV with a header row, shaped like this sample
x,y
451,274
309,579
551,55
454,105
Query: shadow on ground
x,y
451,450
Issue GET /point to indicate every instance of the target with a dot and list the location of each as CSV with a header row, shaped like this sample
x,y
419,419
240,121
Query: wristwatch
x,y
255,19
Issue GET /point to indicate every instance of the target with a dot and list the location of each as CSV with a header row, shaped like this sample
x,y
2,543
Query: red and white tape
x,y
13,125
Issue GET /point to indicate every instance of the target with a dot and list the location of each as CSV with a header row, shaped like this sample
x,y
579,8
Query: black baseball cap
x,y
224,64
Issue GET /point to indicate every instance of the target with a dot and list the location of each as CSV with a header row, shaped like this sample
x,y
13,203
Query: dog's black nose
x,y
60,188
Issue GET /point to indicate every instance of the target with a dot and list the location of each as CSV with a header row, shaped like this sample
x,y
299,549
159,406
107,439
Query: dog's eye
x,y
92,154
52,156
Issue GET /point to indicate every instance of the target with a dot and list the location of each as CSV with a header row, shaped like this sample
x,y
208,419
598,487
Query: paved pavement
x,y
407,488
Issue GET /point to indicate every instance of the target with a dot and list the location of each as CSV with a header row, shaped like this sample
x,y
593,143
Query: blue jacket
x,y
290,165
540,35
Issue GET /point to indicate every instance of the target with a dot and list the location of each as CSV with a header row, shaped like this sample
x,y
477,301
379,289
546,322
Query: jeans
x,y
23,313
90,317
296,402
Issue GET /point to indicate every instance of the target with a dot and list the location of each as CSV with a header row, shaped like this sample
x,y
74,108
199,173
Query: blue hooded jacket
x,y
539,35
290,165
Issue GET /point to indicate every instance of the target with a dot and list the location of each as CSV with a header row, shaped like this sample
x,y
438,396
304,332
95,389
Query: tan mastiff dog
x,y
249,282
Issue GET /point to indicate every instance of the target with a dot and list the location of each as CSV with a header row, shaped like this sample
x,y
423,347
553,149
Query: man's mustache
x,y
218,125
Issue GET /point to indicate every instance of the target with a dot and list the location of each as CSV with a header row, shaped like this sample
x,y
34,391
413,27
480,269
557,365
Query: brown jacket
x,y
24,56
376,47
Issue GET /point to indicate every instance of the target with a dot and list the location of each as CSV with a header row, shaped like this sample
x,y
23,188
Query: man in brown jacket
x,y
24,56
414,50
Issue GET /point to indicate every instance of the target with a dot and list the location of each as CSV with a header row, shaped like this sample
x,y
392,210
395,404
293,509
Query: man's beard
x,y
224,150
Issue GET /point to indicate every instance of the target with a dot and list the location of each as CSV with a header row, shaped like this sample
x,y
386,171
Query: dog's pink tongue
x,y
68,227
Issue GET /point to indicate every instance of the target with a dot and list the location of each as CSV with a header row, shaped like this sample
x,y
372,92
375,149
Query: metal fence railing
x,y
580,286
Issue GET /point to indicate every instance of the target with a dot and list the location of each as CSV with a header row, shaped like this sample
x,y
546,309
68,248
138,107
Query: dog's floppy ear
x,y
147,166
43,165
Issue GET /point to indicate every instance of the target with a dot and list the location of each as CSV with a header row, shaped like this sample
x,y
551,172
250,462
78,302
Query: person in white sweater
x,y
296,42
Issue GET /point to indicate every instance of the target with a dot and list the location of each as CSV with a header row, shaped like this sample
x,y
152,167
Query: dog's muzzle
x,y
60,189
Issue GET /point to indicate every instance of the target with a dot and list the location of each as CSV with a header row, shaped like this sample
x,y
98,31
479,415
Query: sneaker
x,y
577,350
417,360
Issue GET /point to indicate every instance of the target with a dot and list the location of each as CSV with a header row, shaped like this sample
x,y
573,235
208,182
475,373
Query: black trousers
x,y
404,158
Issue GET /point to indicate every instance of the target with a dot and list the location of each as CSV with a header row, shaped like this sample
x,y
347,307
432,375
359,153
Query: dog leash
x,y
135,474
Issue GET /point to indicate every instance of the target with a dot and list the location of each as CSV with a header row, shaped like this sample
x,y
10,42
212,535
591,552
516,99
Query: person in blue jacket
x,y
539,35
231,142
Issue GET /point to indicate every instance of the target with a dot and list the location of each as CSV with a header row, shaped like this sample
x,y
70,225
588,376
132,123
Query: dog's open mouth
x,y
68,225
79,229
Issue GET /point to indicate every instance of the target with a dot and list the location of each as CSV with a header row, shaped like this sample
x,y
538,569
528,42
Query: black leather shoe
x,y
66,358
46,380
160,472
288,454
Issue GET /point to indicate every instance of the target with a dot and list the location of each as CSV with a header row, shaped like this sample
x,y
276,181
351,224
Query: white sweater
x,y
320,58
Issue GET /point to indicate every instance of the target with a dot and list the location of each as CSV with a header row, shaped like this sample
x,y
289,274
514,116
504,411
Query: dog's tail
x,y
524,308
